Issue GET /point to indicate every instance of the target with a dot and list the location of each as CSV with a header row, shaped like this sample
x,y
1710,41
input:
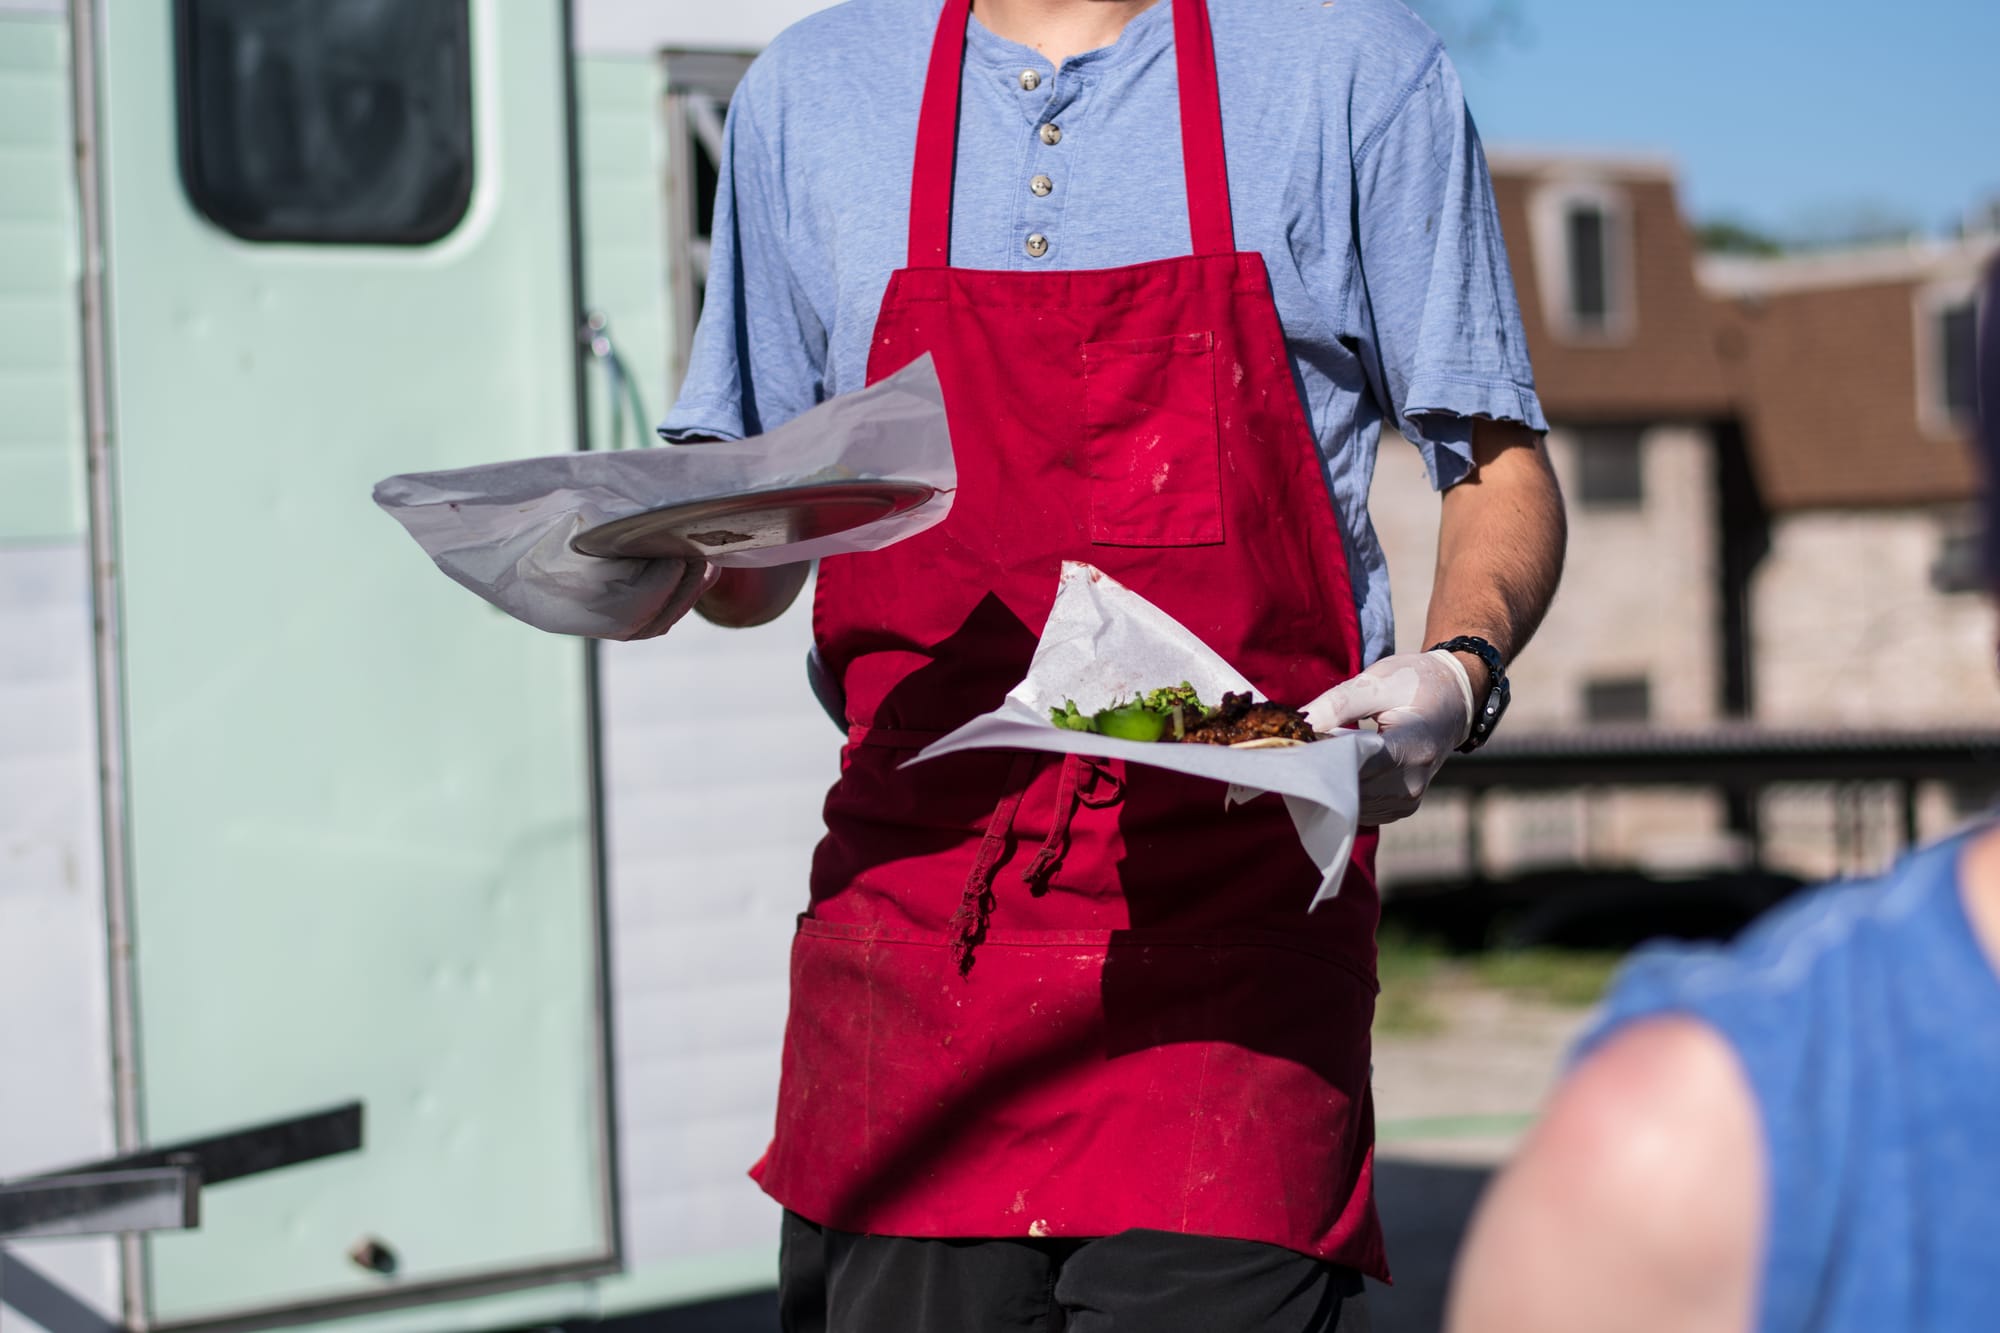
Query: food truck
x,y
293,832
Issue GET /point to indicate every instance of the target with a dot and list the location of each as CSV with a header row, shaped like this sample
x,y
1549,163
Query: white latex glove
x,y
1421,704
694,578
535,577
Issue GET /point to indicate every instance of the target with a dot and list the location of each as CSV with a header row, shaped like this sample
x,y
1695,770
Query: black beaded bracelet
x,y
1486,716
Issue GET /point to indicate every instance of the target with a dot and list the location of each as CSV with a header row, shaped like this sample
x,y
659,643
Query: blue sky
x,y
1790,114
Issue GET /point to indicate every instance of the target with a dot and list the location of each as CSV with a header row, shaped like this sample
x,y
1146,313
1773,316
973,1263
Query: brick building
x,y
1770,485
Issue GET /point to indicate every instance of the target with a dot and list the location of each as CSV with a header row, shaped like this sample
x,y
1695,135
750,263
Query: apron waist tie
x,y
1079,786
975,906
1072,793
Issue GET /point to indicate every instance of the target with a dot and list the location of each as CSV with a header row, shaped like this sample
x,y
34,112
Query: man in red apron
x,y
1066,1049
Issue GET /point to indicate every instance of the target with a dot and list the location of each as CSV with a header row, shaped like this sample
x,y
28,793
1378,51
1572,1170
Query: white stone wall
x,y
1849,632
1639,597
1821,831
1639,591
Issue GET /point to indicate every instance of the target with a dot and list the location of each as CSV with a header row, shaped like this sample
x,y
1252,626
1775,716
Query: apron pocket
x,y
1151,443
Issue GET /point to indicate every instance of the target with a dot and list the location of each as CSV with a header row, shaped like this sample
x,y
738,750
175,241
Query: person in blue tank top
x,y
1798,1133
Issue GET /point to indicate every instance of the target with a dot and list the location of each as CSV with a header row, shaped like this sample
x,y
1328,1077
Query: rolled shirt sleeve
x,y
1439,326
759,352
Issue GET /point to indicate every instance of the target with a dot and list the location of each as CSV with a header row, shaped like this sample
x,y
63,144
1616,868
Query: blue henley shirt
x,y
1354,168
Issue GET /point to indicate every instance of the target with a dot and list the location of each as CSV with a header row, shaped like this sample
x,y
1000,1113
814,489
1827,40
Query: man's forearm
x,y
1500,545
742,598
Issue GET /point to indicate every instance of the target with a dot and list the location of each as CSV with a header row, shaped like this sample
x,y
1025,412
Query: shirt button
x,y
1038,245
1030,80
1051,135
1041,185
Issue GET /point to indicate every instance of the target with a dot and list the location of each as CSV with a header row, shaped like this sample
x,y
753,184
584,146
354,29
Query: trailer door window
x,y
333,121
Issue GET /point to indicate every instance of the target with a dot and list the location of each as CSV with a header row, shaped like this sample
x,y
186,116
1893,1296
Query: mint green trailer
x,y
288,820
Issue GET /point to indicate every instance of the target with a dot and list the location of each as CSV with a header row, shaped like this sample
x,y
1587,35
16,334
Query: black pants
x,y
1133,1282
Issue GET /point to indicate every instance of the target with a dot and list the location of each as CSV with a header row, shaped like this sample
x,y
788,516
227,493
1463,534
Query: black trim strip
x,y
244,1152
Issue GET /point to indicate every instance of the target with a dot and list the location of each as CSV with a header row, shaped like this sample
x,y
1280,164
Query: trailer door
x,y
359,804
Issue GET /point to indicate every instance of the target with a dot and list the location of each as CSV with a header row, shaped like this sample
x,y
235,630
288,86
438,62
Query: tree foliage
x,y
1849,224
1727,236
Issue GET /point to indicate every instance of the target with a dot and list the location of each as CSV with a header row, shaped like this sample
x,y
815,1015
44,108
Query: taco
x,y
1177,714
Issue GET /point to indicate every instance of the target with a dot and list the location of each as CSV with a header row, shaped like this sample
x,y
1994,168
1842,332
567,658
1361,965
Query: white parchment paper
x,y
1103,642
503,529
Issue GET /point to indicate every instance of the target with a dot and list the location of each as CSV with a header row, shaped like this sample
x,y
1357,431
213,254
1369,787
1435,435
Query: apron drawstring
x,y
1076,788
975,906
1071,794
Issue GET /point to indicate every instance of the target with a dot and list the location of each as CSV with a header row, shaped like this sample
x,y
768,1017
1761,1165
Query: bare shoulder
x,y
1658,1098
1636,1202
1979,881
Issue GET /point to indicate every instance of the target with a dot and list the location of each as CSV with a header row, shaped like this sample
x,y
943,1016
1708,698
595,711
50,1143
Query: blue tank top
x,y
1867,1019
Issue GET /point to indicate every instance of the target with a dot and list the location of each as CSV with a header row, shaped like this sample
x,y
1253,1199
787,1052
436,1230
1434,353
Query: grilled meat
x,y
1175,714
1238,719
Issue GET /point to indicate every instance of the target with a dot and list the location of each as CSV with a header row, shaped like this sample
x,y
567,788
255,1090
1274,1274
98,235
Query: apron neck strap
x,y
1201,136
1201,131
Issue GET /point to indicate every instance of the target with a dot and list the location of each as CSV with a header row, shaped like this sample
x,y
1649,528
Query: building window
x,y
1948,357
1958,367
1582,235
1589,278
332,121
1958,567
1622,700
699,86
1610,467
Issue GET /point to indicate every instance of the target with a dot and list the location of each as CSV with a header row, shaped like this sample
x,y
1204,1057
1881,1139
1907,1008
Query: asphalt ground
x,y
1450,1107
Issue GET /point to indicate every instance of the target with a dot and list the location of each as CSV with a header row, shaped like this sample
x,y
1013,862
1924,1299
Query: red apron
x,y
1062,997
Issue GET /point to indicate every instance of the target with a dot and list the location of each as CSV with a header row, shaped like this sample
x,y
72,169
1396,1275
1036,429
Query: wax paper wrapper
x,y
1103,642
504,529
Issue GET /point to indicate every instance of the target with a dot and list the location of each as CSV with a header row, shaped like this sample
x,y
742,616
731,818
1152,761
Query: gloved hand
x,y
1422,707
534,576
683,588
